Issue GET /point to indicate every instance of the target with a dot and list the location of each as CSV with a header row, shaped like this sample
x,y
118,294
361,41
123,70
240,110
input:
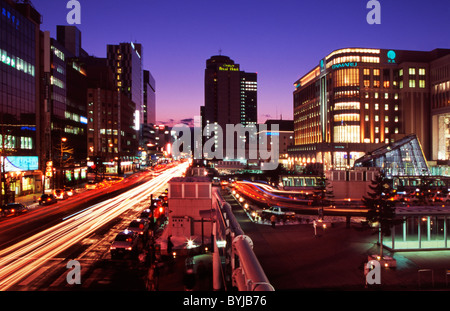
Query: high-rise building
x,y
63,107
149,98
359,99
112,138
125,59
19,98
230,95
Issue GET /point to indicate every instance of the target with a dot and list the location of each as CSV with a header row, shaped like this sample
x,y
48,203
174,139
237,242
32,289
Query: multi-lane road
x,y
36,245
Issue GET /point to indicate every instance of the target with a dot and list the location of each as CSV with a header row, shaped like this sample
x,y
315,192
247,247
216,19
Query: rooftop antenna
x,y
220,52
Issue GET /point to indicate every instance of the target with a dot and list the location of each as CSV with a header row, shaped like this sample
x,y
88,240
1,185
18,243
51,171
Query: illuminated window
x,y
400,72
422,71
347,134
346,77
376,107
386,119
412,83
346,117
422,84
386,130
396,107
396,119
376,72
412,71
386,107
366,105
366,118
377,118
347,106
377,129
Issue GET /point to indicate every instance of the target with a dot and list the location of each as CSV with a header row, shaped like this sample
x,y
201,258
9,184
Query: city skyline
x,y
280,41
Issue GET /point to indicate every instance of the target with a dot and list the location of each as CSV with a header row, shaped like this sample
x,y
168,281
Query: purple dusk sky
x,y
280,40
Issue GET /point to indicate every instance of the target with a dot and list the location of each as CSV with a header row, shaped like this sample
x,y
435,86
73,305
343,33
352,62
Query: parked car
x,y
146,214
140,226
13,209
47,199
60,194
125,243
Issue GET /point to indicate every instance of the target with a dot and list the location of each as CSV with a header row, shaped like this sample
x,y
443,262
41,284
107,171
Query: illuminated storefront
x,y
423,228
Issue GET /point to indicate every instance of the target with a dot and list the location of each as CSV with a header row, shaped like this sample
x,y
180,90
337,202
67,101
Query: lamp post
x,y
63,140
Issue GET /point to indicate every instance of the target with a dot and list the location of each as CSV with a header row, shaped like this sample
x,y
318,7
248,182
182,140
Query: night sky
x,y
280,40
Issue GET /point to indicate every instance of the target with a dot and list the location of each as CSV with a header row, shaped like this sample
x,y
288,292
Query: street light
x,y
63,140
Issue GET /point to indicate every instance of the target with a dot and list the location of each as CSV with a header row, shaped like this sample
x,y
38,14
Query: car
x,y
60,194
91,185
279,211
146,214
47,199
140,226
13,209
125,243
69,191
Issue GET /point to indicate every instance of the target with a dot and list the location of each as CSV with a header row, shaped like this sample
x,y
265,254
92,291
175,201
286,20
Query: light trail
x,y
24,257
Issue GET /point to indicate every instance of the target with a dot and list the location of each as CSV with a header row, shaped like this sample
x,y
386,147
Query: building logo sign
x,y
391,56
227,67
322,65
344,65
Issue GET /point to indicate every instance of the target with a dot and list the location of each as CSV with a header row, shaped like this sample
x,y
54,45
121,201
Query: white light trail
x,y
24,257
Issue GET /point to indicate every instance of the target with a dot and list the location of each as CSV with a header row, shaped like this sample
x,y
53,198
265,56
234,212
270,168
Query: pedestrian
x,y
169,245
273,220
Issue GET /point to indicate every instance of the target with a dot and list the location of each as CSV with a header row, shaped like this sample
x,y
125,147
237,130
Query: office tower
x,y
63,107
149,98
359,99
230,95
125,59
112,138
19,98
70,38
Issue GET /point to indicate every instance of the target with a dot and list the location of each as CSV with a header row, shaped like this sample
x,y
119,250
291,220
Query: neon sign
x,y
344,65
227,67
17,164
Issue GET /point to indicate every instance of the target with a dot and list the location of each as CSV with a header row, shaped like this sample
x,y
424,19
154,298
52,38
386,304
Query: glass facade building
x,y
18,79
404,157
19,97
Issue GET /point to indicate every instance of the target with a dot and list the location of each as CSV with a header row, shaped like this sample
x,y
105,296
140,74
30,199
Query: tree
x,y
64,158
381,206
324,194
